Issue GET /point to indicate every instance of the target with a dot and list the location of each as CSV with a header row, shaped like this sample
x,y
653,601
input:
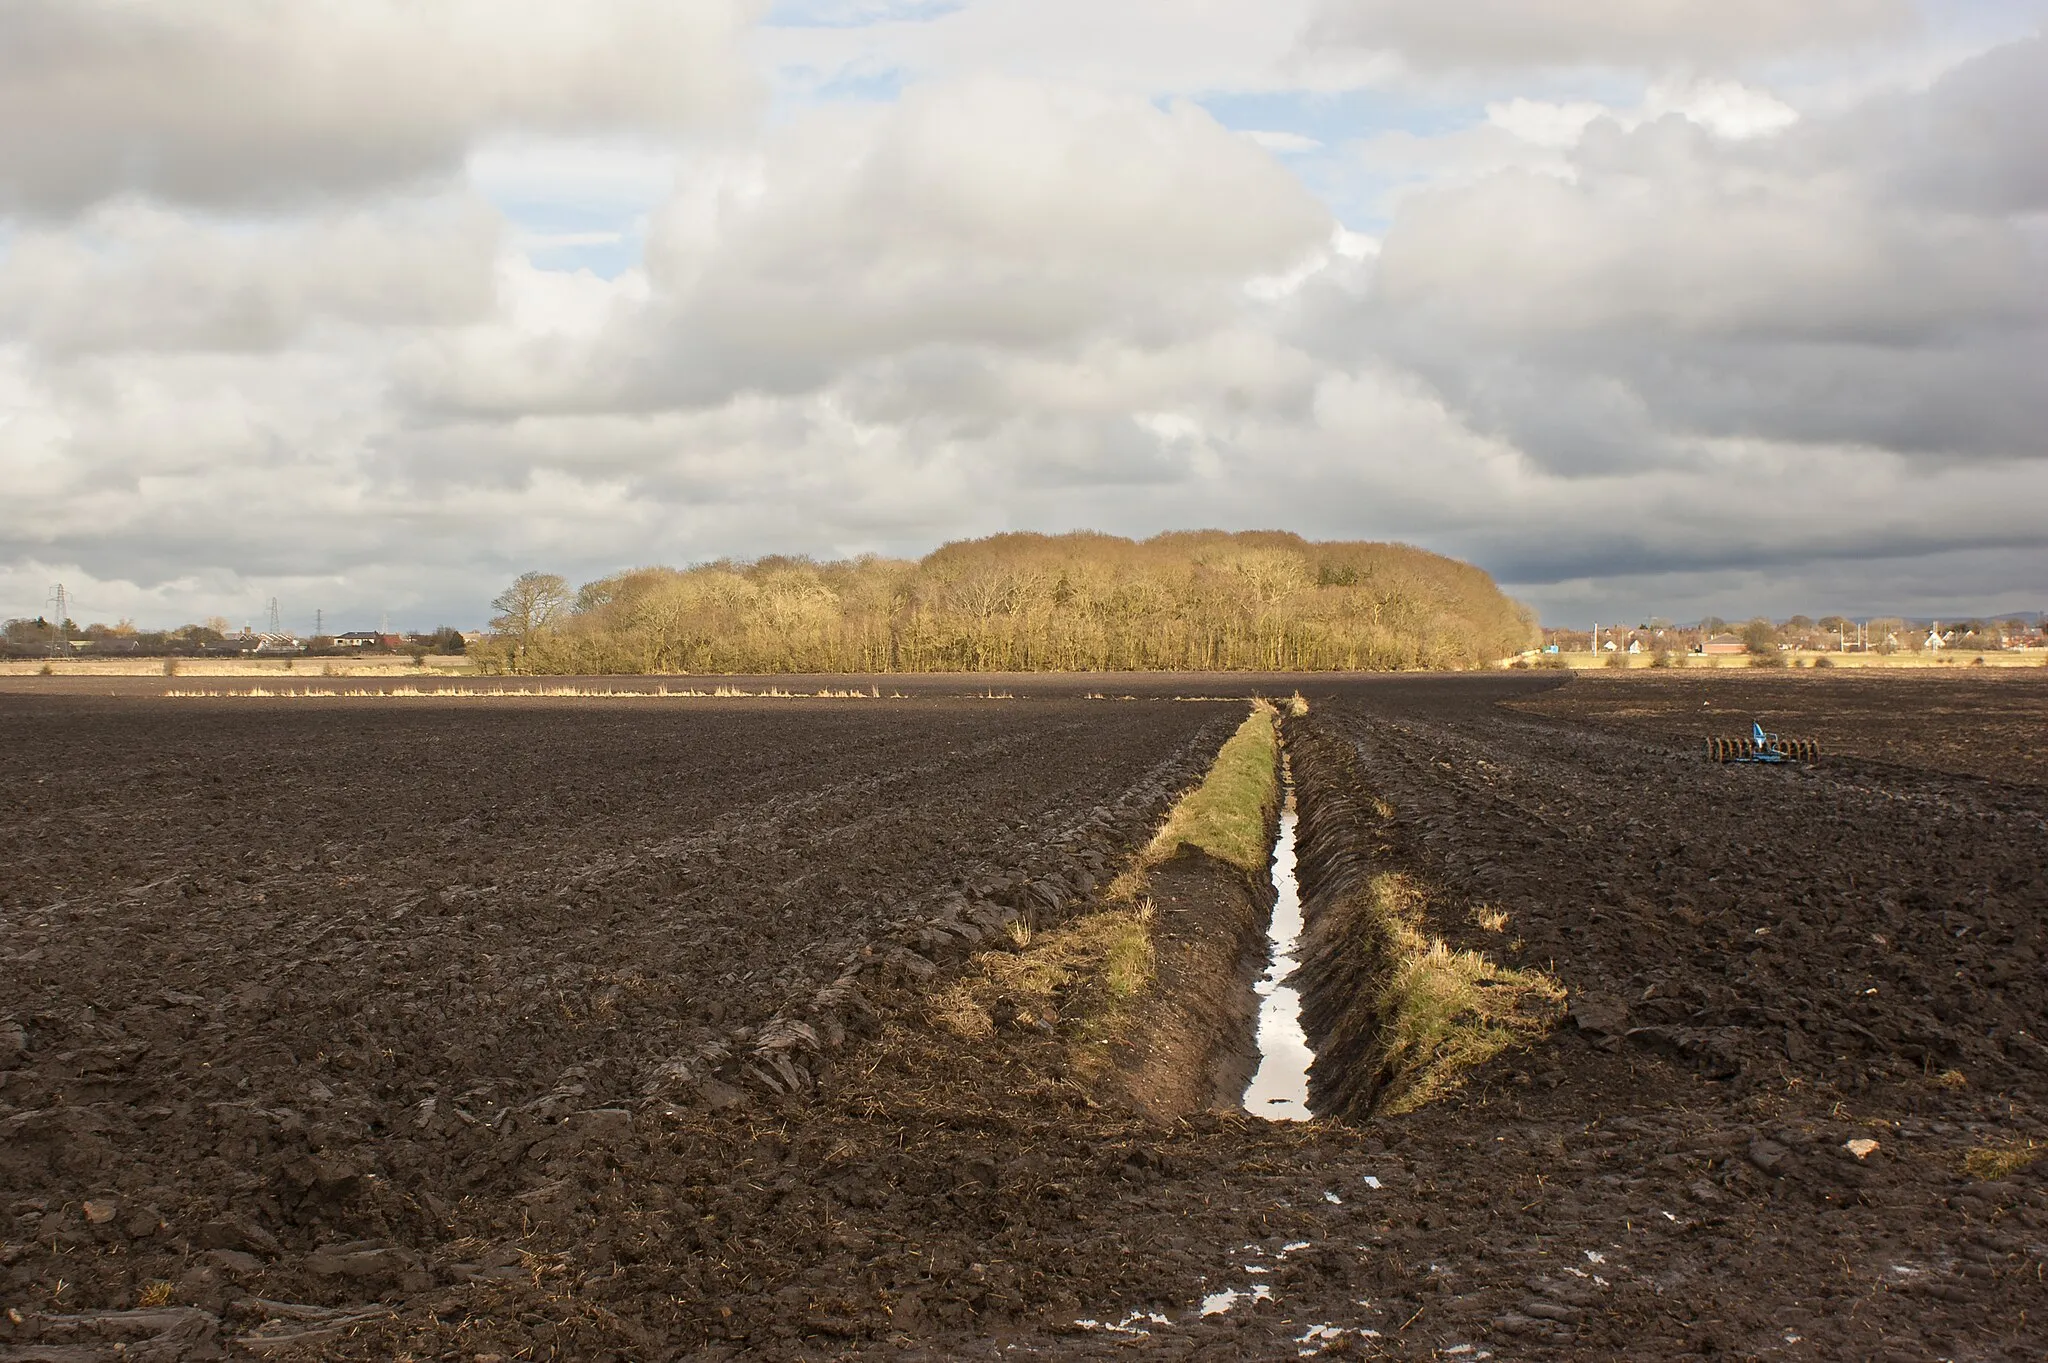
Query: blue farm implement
x,y
1762,747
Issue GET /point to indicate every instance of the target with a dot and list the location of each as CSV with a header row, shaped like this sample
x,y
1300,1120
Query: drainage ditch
x,y
1314,984
1279,1087
1394,1014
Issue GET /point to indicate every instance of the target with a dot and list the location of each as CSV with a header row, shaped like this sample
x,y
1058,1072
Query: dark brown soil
x,y
1763,964
668,1089
315,995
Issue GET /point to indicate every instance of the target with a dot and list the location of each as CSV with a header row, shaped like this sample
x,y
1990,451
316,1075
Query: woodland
x,y
1204,600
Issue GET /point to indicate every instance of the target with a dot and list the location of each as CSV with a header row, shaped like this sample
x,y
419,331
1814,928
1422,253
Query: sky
x,y
1674,308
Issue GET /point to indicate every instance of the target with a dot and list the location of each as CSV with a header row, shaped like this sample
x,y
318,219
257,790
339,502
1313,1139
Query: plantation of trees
x,y
1194,600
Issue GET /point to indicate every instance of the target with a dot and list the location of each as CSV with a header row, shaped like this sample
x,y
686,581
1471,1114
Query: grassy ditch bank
x,y
1230,816
1152,990
1396,1015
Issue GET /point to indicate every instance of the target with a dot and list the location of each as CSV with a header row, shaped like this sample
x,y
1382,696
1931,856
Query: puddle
x,y
1129,1325
1279,1090
1220,1303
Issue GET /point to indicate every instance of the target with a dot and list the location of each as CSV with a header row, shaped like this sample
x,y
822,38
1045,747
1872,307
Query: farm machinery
x,y
1762,747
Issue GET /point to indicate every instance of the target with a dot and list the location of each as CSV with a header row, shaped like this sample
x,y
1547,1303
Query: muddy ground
x,y
591,1029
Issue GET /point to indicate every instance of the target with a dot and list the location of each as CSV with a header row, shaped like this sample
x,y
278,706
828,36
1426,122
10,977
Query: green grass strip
x,y
1229,814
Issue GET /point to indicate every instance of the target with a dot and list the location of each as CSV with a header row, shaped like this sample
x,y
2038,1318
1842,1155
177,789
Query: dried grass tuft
x,y
1443,1011
1488,919
956,1009
1086,972
1992,1162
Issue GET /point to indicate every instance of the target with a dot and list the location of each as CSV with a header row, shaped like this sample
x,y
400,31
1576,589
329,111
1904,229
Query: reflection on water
x,y
1280,1088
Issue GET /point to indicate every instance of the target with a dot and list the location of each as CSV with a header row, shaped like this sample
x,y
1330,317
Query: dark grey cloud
x,y
1976,141
1950,584
1835,285
1517,33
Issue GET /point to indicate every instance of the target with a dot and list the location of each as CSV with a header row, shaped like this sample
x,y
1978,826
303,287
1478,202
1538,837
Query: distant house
x,y
1724,645
1935,640
359,638
1635,645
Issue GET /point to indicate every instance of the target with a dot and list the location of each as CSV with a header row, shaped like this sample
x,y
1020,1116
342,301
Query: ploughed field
x,y
290,974
1988,723
607,1028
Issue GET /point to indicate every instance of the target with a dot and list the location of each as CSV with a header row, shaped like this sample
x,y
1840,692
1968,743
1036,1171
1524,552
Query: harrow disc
x,y
1776,748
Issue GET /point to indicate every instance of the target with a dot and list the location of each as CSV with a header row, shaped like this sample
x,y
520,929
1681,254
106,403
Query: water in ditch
x,y
1279,1089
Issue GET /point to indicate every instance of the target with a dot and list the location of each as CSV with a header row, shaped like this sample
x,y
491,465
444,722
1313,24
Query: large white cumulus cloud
x,y
987,213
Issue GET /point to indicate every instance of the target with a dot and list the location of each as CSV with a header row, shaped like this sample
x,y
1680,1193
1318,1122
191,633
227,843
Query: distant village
x,y
1714,637
44,638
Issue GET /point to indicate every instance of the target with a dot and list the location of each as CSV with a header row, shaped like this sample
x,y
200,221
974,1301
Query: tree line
x,y
1183,601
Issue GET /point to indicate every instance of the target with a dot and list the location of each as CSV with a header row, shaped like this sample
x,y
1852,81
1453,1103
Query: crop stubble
x,y
1665,1176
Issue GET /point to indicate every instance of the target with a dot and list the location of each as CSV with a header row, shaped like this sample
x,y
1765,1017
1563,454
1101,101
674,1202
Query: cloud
x,y
858,234
1661,286
1985,581
251,102
135,277
1683,333
1428,34
1723,107
1976,141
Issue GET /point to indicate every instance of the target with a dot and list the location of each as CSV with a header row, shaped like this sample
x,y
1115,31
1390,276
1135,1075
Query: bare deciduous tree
x,y
533,603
